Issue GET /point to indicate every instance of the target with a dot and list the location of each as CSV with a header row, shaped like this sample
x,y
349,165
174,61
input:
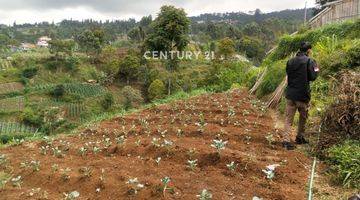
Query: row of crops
x,y
74,110
14,104
81,89
85,90
6,88
15,128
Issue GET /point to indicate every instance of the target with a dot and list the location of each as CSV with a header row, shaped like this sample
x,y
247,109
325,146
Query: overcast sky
x,y
23,11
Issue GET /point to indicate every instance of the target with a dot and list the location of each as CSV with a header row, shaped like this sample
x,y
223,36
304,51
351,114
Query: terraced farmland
x,y
6,88
14,128
14,104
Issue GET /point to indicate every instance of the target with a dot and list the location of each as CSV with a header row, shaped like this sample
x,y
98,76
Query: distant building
x,y
43,42
336,11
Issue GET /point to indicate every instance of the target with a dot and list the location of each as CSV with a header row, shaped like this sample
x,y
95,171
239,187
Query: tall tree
x,y
91,41
169,33
61,48
226,48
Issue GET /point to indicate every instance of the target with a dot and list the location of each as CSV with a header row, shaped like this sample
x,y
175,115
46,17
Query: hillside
x,y
87,115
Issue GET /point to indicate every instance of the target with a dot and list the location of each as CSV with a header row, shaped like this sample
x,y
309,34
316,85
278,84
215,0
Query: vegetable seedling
x,y
165,181
72,195
120,140
270,171
270,139
135,185
35,165
107,142
232,166
157,160
86,172
65,176
54,168
57,152
204,195
156,142
82,151
219,145
17,181
192,164
201,124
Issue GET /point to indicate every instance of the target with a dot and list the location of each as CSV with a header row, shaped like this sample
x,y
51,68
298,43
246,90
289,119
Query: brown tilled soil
x,y
111,168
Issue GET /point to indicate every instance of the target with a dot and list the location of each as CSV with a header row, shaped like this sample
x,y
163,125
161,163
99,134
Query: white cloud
x,y
23,11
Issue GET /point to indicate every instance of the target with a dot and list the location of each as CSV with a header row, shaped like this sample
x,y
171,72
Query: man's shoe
x,y
301,140
288,145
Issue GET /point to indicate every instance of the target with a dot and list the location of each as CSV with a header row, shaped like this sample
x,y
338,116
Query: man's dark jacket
x,y
300,71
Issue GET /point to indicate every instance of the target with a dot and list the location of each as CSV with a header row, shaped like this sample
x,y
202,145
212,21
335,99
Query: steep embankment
x,y
99,162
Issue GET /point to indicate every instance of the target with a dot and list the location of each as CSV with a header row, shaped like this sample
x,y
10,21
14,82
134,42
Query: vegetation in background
x,y
344,160
156,90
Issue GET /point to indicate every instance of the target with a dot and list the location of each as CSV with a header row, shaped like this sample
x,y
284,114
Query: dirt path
x,y
234,117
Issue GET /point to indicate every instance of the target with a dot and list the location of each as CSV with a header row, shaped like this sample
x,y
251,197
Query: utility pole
x,y
305,14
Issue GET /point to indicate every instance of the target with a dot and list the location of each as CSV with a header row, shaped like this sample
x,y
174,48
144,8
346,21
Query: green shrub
x,y
344,161
52,64
353,55
156,90
290,44
71,63
252,76
223,75
58,91
30,117
274,76
132,97
107,101
29,72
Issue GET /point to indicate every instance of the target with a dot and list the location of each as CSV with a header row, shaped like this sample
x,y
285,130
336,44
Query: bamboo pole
x,y
277,94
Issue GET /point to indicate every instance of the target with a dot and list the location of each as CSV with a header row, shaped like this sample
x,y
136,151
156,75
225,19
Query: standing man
x,y
300,71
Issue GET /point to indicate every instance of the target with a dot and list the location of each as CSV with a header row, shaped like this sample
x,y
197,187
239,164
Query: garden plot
x,y
14,104
85,90
219,145
14,128
6,88
74,110
81,89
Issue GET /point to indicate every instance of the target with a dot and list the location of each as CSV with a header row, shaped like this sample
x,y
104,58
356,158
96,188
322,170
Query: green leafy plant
x,y
156,90
219,145
201,124
166,181
344,161
135,185
192,164
270,139
16,181
156,142
204,195
35,165
65,174
86,172
82,151
157,160
72,195
232,166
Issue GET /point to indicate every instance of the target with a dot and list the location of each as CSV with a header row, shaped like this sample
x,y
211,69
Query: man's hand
x,y
316,68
